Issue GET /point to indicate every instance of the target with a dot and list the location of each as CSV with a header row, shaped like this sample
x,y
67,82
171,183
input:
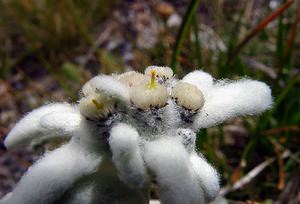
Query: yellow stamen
x,y
98,105
152,82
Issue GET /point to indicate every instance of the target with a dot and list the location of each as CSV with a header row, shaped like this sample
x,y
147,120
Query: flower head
x,y
102,96
149,95
188,96
97,106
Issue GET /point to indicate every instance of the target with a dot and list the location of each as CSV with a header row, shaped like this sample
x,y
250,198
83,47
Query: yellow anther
x,y
152,82
98,105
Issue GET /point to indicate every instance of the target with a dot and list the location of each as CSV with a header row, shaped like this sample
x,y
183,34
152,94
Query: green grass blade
x,y
183,30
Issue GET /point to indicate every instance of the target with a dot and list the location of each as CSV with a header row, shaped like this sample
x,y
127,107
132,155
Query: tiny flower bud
x,y
187,96
162,73
97,106
149,95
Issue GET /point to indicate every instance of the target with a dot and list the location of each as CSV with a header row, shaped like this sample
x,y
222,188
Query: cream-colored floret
x,y
164,73
133,78
188,96
97,106
144,97
88,89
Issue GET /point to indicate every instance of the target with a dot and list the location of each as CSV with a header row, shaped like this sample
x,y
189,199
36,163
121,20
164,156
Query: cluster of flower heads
x,y
128,130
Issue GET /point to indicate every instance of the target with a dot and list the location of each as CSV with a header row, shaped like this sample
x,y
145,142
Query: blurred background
x,y
49,48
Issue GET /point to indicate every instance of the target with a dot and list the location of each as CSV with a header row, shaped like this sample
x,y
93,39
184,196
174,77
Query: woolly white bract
x,y
126,132
46,123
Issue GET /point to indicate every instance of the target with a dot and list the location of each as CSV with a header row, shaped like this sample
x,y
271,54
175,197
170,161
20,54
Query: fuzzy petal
x,y
206,175
228,100
169,162
51,176
110,87
126,155
50,122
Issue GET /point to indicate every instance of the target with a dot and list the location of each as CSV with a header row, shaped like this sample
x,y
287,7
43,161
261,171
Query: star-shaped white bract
x,y
128,130
49,122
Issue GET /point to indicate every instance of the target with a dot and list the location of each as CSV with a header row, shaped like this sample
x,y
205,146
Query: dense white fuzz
x,y
206,175
126,155
50,122
111,87
52,175
202,80
168,160
108,161
102,95
133,78
144,97
228,100
162,73
88,89
187,96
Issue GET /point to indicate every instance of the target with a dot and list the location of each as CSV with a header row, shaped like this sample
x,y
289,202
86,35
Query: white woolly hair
x,y
201,79
169,161
88,89
206,175
188,96
110,86
133,78
124,144
183,176
52,175
56,120
101,95
144,97
227,100
163,72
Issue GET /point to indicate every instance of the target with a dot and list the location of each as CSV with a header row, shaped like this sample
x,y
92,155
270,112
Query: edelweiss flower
x,y
128,130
